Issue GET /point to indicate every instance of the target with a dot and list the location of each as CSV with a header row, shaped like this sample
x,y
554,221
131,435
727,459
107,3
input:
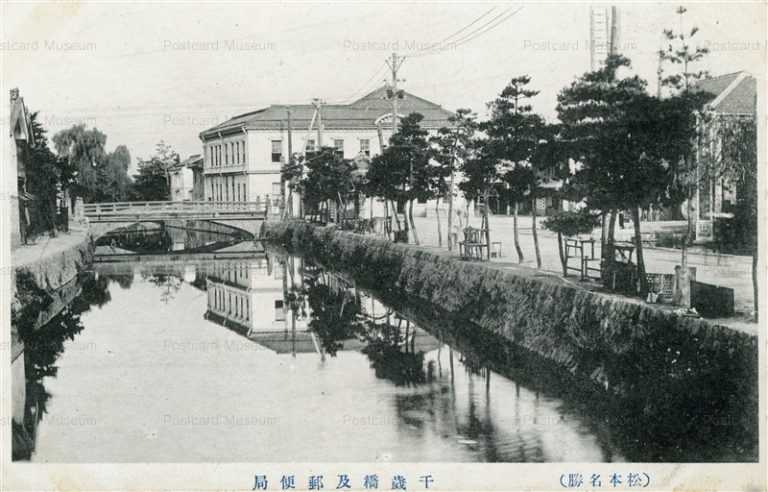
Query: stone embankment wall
x,y
45,275
40,288
644,359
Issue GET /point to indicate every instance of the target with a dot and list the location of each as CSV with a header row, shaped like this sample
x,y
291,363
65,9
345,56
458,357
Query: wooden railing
x,y
259,206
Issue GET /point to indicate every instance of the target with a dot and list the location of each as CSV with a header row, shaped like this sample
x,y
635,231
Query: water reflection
x,y
365,376
375,380
43,347
170,236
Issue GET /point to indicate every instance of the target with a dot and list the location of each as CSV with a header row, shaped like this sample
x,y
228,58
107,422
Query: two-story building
x,y
242,156
20,136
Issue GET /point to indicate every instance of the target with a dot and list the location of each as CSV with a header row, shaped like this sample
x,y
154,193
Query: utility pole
x,y
290,137
318,104
394,94
287,206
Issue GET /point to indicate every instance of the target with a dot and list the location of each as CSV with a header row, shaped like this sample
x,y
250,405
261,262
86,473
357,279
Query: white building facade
x,y
243,155
181,183
251,294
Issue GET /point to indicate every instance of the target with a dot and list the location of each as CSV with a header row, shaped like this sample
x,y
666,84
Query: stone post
x,y
79,209
682,292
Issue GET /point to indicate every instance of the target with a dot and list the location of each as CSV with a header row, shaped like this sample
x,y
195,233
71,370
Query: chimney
x,y
14,94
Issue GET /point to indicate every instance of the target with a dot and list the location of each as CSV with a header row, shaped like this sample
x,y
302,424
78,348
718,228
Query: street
x,y
730,271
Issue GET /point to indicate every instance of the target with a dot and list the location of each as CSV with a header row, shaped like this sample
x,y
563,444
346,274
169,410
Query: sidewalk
x,y
53,262
28,254
730,271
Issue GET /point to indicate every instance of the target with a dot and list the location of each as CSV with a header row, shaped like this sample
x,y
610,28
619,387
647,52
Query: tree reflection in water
x,y
43,346
169,284
336,315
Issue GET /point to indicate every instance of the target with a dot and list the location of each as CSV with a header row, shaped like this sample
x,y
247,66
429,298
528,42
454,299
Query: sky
x,y
143,72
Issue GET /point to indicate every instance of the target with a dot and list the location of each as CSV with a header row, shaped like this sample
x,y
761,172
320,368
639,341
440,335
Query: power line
x,y
488,26
471,37
362,88
467,26
432,47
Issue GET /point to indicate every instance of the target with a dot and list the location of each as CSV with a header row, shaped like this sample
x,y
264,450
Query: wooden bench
x,y
473,245
584,251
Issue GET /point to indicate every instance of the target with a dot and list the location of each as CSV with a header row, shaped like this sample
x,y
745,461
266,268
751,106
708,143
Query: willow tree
x,y
84,151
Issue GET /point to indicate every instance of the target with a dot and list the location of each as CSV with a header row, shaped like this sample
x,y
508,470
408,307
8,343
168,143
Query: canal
x,y
268,357
272,358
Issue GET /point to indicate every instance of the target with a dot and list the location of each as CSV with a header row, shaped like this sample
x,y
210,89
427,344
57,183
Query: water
x,y
273,359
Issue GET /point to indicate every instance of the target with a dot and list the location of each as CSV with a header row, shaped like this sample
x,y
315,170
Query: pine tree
x,y
681,52
513,135
451,148
628,142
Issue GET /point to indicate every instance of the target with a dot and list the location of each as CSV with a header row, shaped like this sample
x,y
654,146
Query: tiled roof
x,y
742,99
733,93
20,119
362,113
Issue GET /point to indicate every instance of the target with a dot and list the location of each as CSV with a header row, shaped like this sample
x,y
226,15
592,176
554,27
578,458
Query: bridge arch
x,y
243,216
251,227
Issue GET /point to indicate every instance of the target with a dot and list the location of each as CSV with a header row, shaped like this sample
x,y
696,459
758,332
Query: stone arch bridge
x,y
245,216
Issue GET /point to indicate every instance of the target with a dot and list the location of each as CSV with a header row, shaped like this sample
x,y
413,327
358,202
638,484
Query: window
x,y
275,189
247,310
279,313
365,146
243,149
226,155
277,150
310,150
237,153
338,144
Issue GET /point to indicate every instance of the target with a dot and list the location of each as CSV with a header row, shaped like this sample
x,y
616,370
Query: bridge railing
x,y
261,205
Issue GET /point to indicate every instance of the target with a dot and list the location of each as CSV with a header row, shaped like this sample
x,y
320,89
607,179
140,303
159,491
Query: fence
x,y
116,208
